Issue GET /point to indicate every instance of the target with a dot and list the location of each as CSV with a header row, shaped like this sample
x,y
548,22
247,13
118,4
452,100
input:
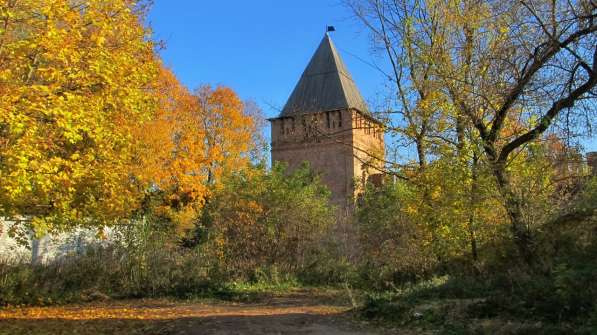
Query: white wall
x,y
46,248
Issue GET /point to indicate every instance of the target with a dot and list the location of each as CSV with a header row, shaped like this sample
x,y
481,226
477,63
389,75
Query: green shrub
x,y
270,220
265,229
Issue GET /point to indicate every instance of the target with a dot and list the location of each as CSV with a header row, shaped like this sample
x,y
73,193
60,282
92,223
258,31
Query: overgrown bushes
x,y
558,291
267,221
262,231
117,270
260,227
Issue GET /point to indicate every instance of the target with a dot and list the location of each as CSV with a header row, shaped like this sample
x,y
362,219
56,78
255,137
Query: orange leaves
x,y
156,310
158,136
228,130
191,141
86,112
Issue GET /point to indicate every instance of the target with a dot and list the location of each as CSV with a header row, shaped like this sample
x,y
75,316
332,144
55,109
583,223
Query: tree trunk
x,y
421,153
473,204
520,230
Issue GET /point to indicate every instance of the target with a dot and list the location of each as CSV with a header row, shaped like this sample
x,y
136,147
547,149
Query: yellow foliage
x,y
73,85
89,120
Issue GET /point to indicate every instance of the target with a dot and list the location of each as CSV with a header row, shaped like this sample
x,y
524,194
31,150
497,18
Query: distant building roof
x,y
326,85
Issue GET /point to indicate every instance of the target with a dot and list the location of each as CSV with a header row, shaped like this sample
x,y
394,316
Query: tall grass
x,y
144,259
103,271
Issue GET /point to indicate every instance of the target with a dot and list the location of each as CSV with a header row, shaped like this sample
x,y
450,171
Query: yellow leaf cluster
x,y
74,78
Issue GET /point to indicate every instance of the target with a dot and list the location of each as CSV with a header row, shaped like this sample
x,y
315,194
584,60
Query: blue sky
x,y
260,47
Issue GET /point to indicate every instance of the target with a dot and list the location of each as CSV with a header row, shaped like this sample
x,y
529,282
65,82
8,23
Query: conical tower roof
x,y
326,85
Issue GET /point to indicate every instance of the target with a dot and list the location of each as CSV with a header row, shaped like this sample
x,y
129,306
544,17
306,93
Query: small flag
x,y
331,28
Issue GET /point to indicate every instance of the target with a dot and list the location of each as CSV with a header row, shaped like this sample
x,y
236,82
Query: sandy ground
x,y
304,312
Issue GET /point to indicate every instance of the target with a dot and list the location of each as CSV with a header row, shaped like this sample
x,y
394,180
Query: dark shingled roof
x,y
326,85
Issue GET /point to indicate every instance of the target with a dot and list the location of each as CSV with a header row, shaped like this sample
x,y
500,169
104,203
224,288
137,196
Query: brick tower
x,y
327,123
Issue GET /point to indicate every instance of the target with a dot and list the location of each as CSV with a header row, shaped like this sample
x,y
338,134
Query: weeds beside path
x,y
297,312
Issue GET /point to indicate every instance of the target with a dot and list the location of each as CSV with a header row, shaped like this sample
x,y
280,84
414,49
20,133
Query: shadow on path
x,y
293,314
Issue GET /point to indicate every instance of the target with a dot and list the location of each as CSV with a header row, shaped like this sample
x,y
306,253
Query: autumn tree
x,y
410,35
509,70
260,144
530,61
228,130
192,139
415,110
74,82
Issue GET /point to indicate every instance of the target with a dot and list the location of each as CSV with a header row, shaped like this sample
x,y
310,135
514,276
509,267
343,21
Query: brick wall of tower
x,y
335,144
368,150
309,139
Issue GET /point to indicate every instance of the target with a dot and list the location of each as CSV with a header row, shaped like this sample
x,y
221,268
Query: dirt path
x,y
304,312
299,313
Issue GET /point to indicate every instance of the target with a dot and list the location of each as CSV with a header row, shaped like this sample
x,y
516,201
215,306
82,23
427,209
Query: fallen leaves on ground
x,y
136,317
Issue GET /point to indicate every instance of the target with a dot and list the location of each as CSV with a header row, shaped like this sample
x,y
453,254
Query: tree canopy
x,y
91,120
74,83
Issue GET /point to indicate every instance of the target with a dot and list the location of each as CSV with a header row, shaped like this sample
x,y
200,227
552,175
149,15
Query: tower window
x,y
327,117
340,119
